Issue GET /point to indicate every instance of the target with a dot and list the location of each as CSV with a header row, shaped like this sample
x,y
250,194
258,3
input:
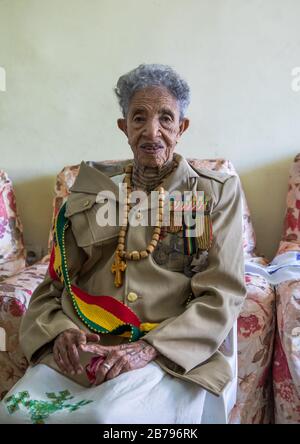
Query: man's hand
x,y
65,349
120,358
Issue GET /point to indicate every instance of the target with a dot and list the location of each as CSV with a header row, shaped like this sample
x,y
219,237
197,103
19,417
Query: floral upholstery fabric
x,y
286,365
12,255
15,294
255,324
256,327
64,181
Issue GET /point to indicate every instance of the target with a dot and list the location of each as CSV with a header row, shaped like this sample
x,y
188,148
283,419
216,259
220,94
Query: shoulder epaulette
x,y
210,174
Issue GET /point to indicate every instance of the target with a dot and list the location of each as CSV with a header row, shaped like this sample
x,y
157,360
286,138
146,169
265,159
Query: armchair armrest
x,y
15,293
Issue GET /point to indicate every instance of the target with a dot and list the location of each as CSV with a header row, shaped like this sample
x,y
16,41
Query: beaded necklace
x,y
121,255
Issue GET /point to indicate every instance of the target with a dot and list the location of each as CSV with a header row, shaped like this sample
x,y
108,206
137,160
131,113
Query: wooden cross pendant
x,y
117,268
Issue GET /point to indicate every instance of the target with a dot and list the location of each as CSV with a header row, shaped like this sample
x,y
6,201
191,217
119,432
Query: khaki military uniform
x,y
194,305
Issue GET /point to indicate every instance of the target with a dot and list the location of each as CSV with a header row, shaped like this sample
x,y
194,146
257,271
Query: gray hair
x,y
152,75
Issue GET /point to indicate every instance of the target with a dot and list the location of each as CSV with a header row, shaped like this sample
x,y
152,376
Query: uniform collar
x,y
179,178
94,177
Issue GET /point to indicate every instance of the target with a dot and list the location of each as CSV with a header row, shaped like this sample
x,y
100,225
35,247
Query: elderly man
x,y
128,323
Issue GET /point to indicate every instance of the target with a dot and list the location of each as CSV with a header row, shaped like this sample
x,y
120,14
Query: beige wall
x,y
63,57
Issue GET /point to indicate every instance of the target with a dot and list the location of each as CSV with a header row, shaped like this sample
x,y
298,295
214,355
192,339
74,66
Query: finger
x,y
62,363
100,376
124,369
115,370
103,370
126,365
65,358
58,360
91,348
92,337
74,358
99,362
81,338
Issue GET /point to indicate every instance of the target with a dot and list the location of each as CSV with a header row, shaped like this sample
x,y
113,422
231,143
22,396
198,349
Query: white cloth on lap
x,y
143,396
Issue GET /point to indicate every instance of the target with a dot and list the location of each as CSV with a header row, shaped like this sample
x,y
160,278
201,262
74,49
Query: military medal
x,y
161,253
197,232
204,234
176,258
175,217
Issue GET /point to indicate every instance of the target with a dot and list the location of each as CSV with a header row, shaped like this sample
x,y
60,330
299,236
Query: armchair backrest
x,y
12,252
290,240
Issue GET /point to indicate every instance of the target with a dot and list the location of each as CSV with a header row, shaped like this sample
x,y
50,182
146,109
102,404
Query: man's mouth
x,y
151,147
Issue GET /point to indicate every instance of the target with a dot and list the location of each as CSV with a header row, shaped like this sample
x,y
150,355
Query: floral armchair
x,y
286,367
16,285
256,323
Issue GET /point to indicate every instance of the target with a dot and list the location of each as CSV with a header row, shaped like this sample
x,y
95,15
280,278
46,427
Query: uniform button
x,y
86,203
138,215
132,297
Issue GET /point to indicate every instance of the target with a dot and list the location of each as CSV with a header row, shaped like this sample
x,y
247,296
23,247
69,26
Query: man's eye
x,y
138,119
166,119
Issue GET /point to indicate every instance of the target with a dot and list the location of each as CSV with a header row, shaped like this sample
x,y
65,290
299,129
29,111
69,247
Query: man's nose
x,y
152,128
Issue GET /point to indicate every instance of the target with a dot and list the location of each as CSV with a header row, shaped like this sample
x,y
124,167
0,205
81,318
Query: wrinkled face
x,y
153,126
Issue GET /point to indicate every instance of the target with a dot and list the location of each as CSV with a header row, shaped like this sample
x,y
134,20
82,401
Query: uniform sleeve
x,y
45,319
194,336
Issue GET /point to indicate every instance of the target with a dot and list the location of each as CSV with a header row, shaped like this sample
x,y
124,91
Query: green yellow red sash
x,y
102,314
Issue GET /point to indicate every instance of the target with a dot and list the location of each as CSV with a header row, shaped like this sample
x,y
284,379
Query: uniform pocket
x,y
100,234
88,232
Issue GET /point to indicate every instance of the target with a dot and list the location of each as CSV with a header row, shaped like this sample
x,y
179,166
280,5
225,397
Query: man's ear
x,y
122,125
183,126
